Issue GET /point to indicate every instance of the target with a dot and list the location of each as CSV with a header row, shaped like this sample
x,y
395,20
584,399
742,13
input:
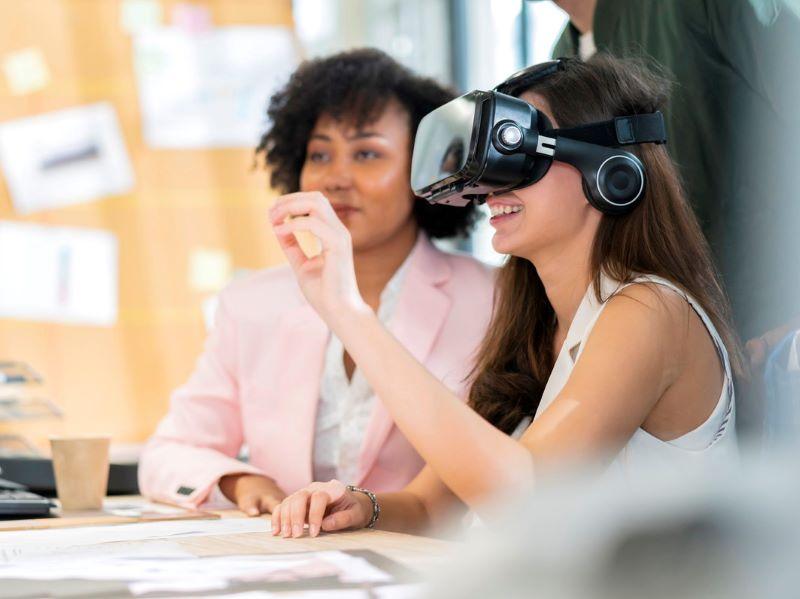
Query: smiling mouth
x,y
500,211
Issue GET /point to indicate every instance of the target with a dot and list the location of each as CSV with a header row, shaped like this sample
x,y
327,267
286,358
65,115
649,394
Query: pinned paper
x,y
211,303
26,71
58,274
209,269
65,157
139,15
211,89
191,17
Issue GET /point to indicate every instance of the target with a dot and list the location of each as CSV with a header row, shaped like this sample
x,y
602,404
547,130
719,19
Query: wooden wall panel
x,y
117,380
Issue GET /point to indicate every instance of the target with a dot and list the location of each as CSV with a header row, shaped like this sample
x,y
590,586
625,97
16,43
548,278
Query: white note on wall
x,y
58,274
209,88
26,71
66,157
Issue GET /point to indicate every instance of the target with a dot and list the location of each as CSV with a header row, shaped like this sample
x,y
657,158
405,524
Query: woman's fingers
x,y
309,505
301,204
291,249
249,505
276,520
298,508
286,517
268,503
340,520
316,511
329,237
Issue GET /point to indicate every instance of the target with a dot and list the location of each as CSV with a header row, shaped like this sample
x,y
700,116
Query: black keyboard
x,y
23,503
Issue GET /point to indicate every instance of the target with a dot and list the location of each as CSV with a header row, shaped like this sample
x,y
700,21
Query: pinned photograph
x,y
58,274
211,88
66,157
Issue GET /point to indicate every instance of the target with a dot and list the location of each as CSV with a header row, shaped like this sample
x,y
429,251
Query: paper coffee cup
x,y
80,465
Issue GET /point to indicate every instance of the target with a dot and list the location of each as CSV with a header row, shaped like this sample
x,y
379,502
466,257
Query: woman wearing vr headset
x,y
272,377
610,336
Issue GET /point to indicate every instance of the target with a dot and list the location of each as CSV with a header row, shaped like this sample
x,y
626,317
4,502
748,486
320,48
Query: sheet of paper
x,y
20,545
137,507
139,15
391,591
309,594
66,157
258,595
193,585
26,71
40,557
209,89
58,274
169,573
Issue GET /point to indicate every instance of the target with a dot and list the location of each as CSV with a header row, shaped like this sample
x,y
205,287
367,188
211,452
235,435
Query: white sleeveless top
x,y
702,449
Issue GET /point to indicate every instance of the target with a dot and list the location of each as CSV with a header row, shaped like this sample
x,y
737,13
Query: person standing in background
x,y
733,123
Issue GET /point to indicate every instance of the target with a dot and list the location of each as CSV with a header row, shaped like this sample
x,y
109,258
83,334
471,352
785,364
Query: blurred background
x,y
128,196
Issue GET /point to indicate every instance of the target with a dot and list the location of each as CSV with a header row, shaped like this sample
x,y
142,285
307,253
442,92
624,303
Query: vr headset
x,y
491,142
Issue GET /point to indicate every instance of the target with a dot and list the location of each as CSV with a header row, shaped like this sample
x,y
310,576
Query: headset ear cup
x,y
620,183
613,180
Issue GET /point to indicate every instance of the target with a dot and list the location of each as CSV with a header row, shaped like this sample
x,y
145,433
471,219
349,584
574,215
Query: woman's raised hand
x,y
324,506
327,280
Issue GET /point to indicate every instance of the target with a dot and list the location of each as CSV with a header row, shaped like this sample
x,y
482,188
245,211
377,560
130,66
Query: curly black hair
x,y
355,85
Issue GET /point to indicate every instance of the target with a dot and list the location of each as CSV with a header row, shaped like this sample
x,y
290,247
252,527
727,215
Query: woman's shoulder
x,y
653,314
650,298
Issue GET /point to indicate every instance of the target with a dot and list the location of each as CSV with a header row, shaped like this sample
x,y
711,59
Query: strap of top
x,y
698,309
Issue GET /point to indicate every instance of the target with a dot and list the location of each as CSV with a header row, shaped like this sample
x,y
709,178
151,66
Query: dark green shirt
x,y
731,124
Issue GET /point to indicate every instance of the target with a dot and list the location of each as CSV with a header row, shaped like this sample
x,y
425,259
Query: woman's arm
x,y
628,363
635,352
621,375
196,443
470,456
424,503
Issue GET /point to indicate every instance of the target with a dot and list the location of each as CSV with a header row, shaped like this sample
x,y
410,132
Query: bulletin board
x,y
117,379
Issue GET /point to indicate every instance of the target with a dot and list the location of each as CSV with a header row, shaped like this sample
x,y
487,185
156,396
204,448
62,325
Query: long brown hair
x,y
660,237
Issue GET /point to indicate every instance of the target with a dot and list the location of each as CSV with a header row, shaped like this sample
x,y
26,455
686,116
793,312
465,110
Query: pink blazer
x,y
257,381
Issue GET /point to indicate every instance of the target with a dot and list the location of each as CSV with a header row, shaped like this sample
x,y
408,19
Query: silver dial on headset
x,y
510,135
